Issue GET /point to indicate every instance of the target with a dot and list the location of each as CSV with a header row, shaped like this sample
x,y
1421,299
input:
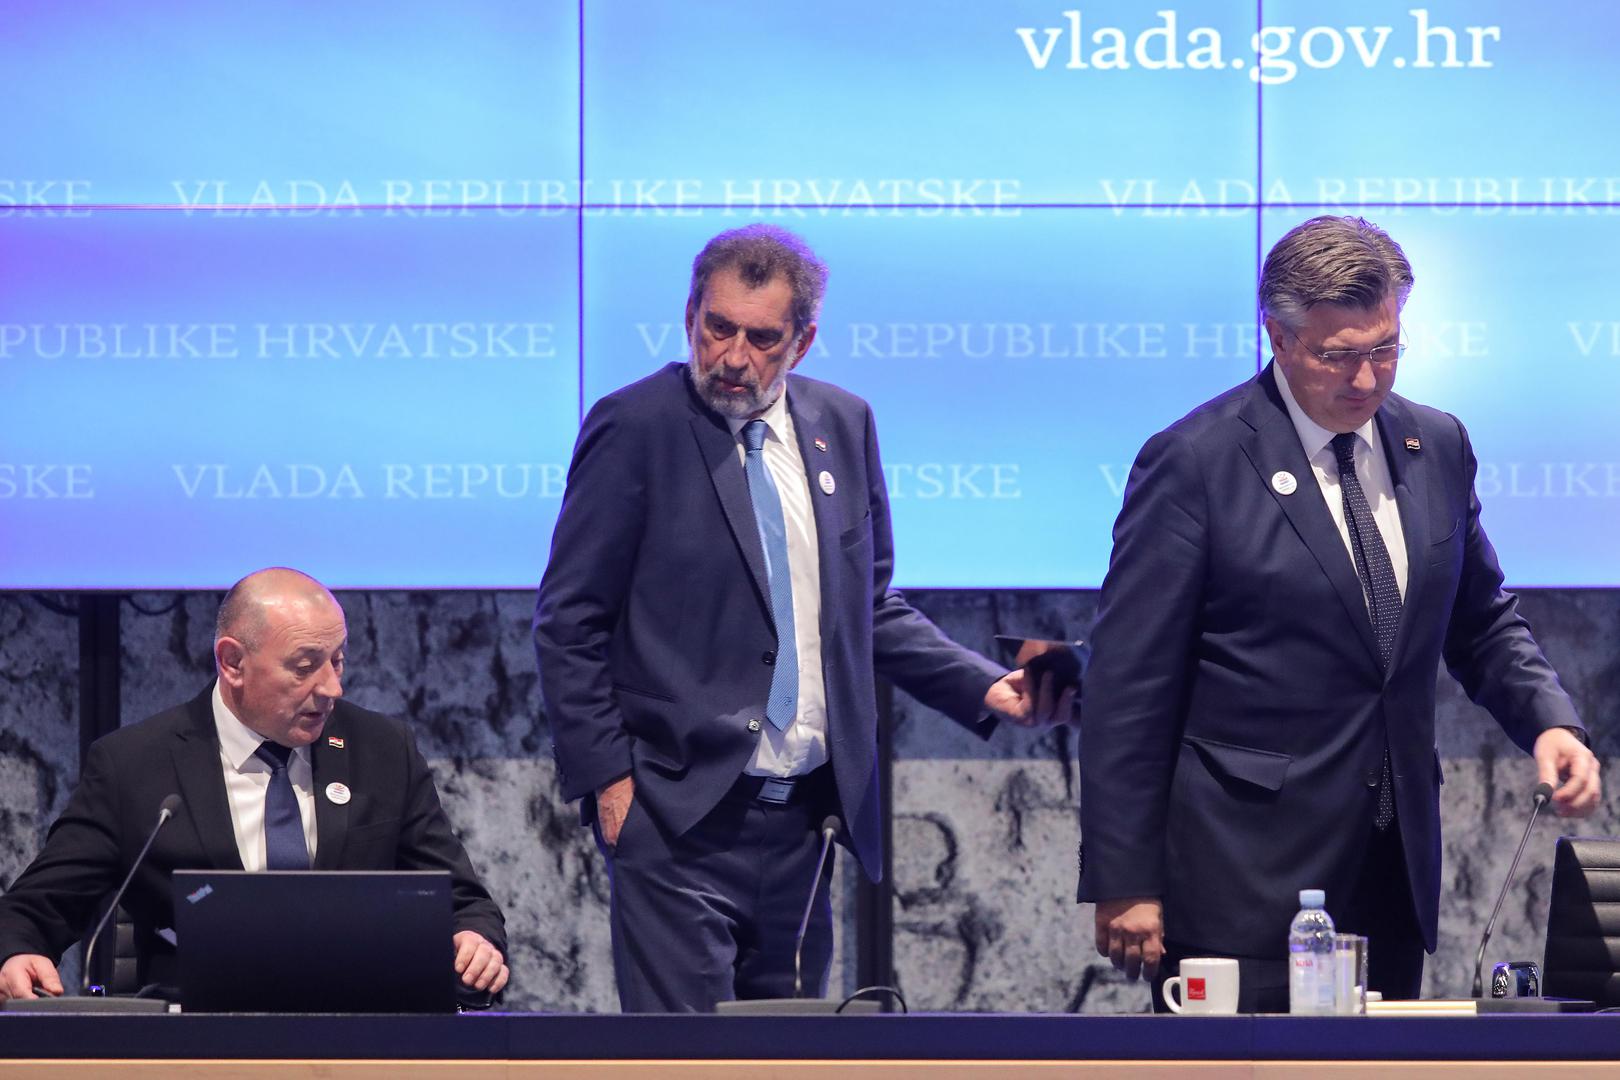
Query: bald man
x,y
275,771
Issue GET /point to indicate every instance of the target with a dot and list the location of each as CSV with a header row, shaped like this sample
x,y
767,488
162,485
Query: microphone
x,y
798,1005
165,811
1539,798
830,827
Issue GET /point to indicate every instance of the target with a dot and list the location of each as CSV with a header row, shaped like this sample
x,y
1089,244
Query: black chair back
x,y
1583,923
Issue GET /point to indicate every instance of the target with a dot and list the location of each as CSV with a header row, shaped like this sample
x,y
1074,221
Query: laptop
x,y
339,941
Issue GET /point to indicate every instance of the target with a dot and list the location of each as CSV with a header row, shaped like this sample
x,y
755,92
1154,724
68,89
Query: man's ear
x,y
806,339
691,316
230,655
1277,333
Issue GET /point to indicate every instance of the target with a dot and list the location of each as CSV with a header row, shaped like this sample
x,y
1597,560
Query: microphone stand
x,y
827,831
796,1005
1543,792
94,999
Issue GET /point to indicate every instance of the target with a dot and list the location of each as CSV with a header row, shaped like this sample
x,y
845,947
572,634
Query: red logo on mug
x,y
1195,990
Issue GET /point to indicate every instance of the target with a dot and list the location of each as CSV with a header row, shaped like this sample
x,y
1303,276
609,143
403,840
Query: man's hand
x,y
479,963
1130,932
612,804
1013,698
22,973
1564,763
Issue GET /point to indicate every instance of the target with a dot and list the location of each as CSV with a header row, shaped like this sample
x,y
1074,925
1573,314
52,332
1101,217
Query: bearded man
x,y
709,627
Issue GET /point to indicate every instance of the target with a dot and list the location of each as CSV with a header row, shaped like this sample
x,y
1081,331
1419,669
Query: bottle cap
x,y
1312,898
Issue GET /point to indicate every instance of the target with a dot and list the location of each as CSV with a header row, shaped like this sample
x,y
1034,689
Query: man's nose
x,y
332,684
1364,379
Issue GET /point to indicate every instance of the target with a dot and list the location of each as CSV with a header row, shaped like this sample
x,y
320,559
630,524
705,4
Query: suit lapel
x,y
1409,473
330,765
1272,447
719,452
202,784
812,433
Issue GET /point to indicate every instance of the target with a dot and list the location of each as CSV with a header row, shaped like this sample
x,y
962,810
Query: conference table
x,y
927,1046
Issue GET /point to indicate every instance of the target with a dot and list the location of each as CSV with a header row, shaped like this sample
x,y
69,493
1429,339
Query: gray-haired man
x,y
1292,562
708,627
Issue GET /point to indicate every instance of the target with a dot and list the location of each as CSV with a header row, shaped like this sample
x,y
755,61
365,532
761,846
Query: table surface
x,y
918,1037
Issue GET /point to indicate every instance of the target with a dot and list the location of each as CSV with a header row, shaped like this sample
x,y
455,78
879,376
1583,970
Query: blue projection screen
x,y
332,287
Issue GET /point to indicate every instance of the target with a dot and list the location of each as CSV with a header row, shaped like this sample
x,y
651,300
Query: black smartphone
x,y
1065,661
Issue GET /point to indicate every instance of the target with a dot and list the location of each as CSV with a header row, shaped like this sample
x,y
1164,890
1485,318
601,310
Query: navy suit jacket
x,y
653,626
1235,711
393,821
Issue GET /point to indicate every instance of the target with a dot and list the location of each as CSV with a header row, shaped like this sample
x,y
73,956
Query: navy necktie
x,y
284,845
1377,579
784,700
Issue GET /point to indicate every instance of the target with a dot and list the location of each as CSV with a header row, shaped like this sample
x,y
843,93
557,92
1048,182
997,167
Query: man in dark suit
x,y
273,770
1292,562
715,603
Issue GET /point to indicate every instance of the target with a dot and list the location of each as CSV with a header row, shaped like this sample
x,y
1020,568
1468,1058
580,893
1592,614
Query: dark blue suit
x,y
653,626
1235,712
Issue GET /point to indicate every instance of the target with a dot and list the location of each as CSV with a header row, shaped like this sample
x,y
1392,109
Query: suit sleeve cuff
x,y
1579,733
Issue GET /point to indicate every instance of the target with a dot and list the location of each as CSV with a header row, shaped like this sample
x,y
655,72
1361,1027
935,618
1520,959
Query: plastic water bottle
x,y
1310,957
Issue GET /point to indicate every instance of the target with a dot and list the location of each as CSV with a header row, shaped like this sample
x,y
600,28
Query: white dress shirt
x,y
803,745
247,778
1372,469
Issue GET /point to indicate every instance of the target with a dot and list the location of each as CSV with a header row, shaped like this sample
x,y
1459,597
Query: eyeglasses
x,y
1345,359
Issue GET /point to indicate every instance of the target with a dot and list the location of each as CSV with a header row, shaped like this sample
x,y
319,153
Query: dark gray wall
x,y
985,832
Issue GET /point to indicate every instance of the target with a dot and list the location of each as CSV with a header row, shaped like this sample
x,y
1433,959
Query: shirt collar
x,y
1312,436
777,419
236,739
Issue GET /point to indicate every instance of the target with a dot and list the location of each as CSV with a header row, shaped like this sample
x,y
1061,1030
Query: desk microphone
x,y
797,1004
1539,799
830,827
165,812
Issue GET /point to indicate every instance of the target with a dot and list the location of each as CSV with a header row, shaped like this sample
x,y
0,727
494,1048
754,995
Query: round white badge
x,y
1283,483
336,793
828,485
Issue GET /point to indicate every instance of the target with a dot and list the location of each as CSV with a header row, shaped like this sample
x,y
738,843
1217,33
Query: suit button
x,y
753,725
769,658
1371,777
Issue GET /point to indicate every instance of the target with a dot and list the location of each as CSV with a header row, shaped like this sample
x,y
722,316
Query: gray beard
x,y
757,400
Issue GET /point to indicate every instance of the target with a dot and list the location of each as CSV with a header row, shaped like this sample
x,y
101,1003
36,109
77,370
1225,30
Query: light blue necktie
x,y
784,701
284,846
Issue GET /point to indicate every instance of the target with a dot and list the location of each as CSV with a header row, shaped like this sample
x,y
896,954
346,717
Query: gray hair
x,y
759,253
239,616
1332,260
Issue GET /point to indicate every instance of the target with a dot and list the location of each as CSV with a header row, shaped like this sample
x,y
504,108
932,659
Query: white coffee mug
x,y
1207,986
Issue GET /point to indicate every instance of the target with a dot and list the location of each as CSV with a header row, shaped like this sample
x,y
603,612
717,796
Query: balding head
x,y
279,641
244,612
